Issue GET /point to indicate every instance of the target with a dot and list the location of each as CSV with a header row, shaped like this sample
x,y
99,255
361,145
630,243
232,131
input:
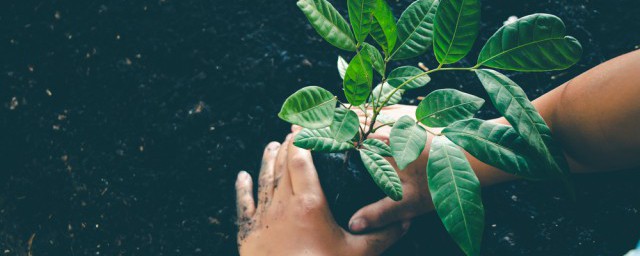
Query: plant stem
x,y
462,69
383,125
376,111
433,133
418,76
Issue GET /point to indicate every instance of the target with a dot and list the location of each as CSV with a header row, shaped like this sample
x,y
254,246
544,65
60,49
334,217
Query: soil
x,y
124,123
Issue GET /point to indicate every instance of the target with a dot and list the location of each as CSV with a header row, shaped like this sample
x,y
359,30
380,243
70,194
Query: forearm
x,y
595,117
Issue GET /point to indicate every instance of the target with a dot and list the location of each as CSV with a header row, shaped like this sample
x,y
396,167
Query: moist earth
x,y
124,123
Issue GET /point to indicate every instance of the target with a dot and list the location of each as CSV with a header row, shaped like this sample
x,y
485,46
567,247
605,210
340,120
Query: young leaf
x,y
345,125
383,29
456,27
326,20
536,42
494,144
342,66
376,58
407,140
445,106
382,173
358,79
415,29
455,191
361,17
387,91
320,140
378,147
409,75
310,107
511,101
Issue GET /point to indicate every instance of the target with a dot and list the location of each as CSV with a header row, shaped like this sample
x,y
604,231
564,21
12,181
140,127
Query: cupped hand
x,y
416,197
292,216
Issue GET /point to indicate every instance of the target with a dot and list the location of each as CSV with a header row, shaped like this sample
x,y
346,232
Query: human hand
x,y
292,216
416,197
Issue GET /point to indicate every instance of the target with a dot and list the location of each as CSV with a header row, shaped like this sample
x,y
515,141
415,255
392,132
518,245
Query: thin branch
x,y
383,125
432,132
376,110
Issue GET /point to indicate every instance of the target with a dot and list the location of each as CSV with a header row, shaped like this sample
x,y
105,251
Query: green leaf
x,y
415,29
383,174
358,79
455,191
310,107
387,90
409,75
342,66
385,119
443,107
361,17
511,101
378,147
320,140
494,144
383,29
407,140
376,58
537,42
326,20
345,125
456,27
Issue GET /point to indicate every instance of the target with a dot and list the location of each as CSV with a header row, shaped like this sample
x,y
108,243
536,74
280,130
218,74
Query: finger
x,y
282,182
380,214
304,178
244,197
377,242
267,180
295,128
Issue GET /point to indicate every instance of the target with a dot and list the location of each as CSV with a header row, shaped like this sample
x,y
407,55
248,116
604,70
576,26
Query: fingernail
x,y
273,146
358,225
243,176
288,136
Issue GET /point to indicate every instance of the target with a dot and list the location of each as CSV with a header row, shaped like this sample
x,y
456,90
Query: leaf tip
x,y
397,196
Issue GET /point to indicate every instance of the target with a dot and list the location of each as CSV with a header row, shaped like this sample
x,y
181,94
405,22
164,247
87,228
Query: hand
x,y
292,216
416,197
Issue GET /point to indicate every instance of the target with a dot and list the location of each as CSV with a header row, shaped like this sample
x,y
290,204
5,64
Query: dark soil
x,y
124,123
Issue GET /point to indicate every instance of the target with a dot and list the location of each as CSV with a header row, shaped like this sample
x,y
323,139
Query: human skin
x,y
292,216
595,117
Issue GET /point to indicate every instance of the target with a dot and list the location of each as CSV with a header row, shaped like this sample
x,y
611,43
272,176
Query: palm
x,y
416,199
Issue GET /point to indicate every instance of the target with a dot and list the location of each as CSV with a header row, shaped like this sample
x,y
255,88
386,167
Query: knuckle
x,y
308,203
298,161
266,179
245,199
280,166
381,217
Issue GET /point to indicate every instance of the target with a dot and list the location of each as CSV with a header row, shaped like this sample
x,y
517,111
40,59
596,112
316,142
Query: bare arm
x,y
595,116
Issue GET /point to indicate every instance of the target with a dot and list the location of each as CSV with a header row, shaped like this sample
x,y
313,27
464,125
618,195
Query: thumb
x,y
375,243
379,214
